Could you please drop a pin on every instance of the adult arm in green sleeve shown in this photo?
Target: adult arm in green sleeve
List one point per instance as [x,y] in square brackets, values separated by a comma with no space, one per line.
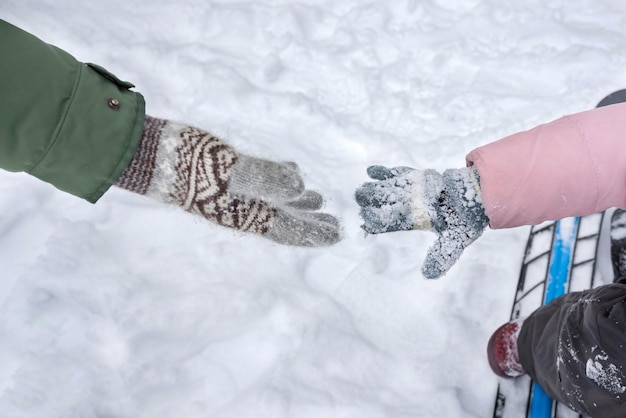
[68,123]
[80,128]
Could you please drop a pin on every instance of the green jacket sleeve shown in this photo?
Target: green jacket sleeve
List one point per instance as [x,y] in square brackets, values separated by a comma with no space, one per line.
[68,123]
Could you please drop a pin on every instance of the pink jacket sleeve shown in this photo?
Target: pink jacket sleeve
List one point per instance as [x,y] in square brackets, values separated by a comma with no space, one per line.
[575,165]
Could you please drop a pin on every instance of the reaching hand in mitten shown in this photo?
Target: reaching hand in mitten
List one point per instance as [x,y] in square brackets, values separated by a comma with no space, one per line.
[191,168]
[449,205]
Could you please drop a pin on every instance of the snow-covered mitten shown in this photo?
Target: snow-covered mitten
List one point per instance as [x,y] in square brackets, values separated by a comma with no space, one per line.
[449,204]
[191,168]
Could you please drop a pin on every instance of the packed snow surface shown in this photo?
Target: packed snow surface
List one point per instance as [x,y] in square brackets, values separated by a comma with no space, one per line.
[128,308]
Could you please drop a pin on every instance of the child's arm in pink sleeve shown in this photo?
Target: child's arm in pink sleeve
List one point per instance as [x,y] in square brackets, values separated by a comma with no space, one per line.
[575,165]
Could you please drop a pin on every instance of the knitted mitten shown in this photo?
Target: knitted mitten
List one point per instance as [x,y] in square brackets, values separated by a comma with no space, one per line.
[449,205]
[191,168]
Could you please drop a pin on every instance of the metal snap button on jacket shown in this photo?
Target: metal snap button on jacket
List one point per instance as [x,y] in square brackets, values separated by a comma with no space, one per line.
[113,103]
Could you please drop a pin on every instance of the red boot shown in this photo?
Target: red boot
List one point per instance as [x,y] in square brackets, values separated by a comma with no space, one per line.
[502,350]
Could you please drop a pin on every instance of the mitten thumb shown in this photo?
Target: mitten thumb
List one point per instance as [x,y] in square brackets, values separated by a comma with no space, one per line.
[441,256]
[462,211]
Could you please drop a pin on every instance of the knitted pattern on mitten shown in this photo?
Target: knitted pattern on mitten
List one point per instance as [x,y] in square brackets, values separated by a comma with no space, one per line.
[199,172]
[191,168]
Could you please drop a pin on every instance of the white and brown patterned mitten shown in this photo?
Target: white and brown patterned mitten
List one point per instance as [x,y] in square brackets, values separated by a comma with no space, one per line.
[191,168]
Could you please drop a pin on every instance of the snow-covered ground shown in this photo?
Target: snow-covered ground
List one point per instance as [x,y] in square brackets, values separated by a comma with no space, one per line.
[128,308]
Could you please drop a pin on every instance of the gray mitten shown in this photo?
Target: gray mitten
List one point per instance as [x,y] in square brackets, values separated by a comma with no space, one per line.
[190,168]
[448,204]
